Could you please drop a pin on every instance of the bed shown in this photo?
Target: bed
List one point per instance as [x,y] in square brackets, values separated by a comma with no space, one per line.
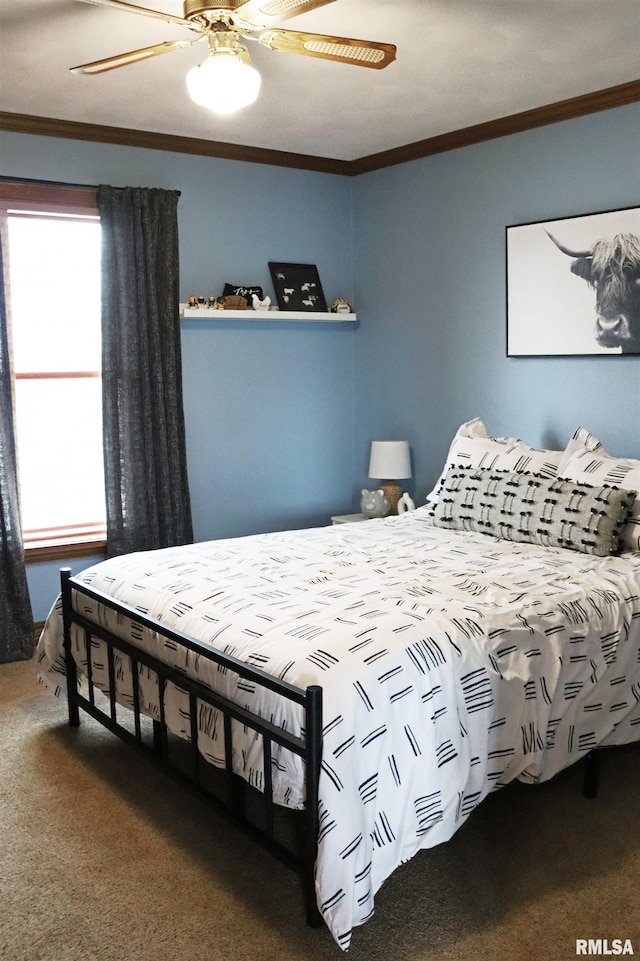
[380,678]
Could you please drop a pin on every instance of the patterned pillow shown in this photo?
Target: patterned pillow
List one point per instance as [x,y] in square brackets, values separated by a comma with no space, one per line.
[581,438]
[597,467]
[534,509]
[472,448]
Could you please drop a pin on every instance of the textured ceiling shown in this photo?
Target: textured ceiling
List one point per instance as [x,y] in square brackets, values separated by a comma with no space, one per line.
[459,63]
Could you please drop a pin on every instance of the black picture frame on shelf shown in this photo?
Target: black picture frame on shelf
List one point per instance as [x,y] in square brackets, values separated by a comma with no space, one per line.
[297,287]
[560,279]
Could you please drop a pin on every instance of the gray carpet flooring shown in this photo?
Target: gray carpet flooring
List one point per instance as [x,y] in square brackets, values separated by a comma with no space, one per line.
[104,858]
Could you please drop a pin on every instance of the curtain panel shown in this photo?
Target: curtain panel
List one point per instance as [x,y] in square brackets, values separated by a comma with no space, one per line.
[16,619]
[147,490]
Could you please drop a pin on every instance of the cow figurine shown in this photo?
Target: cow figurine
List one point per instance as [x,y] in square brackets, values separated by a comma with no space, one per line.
[374,504]
[612,267]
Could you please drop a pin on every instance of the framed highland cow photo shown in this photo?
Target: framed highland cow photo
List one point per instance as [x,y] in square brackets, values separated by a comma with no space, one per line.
[573,286]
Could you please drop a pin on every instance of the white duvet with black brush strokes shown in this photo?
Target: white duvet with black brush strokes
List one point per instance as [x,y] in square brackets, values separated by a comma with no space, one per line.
[451,663]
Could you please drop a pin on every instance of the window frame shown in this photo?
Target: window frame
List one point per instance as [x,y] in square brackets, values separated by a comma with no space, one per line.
[65,200]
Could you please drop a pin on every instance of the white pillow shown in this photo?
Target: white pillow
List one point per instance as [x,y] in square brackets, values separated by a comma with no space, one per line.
[581,438]
[471,428]
[594,466]
[471,447]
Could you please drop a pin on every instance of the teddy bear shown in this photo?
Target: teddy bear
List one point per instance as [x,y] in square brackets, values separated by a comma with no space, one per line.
[374,504]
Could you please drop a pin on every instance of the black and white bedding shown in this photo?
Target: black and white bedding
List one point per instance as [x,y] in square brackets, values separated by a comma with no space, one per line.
[451,664]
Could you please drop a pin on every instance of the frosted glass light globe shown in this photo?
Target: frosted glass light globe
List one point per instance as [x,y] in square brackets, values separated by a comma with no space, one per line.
[223,83]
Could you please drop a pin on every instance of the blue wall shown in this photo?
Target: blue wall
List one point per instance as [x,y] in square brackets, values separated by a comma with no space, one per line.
[269,407]
[280,417]
[431,293]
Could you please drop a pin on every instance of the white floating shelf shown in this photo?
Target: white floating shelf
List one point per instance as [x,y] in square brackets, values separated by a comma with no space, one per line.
[267,315]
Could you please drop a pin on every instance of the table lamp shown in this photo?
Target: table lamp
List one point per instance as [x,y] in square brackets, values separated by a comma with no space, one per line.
[390,461]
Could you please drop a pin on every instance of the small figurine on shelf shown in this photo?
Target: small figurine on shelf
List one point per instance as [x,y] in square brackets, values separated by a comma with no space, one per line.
[260,304]
[235,302]
[340,306]
[231,303]
[194,301]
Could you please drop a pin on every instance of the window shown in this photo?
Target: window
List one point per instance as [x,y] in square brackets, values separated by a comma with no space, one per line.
[51,240]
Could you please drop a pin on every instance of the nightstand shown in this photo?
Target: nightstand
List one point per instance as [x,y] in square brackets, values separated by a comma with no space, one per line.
[347,518]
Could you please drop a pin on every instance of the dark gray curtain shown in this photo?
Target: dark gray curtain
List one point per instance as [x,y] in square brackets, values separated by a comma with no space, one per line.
[16,620]
[144,437]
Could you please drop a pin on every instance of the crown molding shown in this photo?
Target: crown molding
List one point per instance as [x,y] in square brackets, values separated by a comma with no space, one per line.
[607,99]
[73,130]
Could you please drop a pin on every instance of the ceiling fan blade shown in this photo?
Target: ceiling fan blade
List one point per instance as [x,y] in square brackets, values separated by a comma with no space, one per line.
[121,60]
[360,53]
[266,13]
[145,11]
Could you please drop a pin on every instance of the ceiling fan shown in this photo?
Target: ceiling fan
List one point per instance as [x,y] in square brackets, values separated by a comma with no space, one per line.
[226,80]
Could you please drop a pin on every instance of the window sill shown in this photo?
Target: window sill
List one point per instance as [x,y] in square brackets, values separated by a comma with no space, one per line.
[41,551]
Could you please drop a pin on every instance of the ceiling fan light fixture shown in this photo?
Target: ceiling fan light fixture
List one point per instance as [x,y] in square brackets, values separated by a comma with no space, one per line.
[225,82]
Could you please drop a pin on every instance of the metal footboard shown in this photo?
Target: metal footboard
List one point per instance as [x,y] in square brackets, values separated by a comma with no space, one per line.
[308,746]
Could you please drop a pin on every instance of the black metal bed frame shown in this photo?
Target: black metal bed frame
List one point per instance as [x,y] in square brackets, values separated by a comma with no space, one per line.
[308,746]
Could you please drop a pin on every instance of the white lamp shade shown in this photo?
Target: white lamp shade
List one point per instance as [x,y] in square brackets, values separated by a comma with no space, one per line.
[223,83]
[390,459]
